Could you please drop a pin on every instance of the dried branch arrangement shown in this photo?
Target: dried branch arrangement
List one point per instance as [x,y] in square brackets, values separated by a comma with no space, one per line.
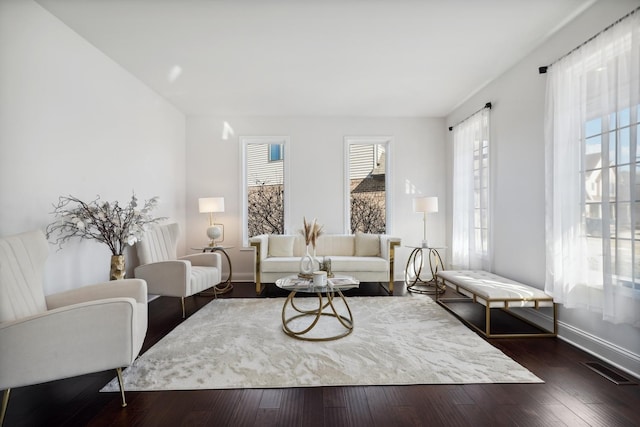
[311,232]
[107,222]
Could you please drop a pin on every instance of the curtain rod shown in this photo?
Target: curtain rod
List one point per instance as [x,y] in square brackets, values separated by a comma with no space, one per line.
[543,69]
[487,105]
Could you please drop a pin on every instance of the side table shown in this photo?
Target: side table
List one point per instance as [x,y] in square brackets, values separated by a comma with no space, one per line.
[415,263]
[222,287]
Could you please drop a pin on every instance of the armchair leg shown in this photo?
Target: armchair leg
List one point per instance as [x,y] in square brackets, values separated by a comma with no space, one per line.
[5,403]
[182,301]
[121,383]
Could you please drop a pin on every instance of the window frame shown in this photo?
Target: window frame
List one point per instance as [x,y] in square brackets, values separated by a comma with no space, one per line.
[245,141]
[387,142]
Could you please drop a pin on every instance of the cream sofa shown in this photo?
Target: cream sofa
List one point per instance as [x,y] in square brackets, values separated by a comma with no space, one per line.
[367,257]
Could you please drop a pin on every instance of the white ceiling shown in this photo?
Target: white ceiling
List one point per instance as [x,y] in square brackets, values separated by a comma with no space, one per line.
[316,58]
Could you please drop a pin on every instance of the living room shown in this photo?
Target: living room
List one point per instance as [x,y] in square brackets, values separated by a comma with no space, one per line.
[74,121]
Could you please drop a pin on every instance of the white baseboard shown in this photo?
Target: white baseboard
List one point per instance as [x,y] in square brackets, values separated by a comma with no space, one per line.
[604,350]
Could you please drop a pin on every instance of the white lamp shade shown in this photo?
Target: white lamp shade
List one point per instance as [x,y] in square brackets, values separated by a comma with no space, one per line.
[425,204]
[211,204]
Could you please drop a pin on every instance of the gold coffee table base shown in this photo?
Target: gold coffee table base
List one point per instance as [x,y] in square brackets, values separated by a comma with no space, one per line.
[316,314]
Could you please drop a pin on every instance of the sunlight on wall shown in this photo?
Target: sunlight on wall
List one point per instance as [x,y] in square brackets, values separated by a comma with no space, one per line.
[174,73]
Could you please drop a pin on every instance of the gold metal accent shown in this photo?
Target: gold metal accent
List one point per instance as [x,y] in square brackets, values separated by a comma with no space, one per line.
[223,287]
[490,303]
[256,244]
[316,314]
[392,260]
[182,303]
[5,404]
[413,270]
[121,383]
[117,271]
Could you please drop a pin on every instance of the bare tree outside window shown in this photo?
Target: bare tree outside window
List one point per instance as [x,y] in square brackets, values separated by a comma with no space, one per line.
[266,209]
[367,214]
[265,187]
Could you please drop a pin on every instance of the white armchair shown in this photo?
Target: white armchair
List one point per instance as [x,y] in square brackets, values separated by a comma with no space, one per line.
[169,275]
[84,330]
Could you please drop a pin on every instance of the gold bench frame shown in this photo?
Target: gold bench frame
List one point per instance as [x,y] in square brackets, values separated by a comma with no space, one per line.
[505,302]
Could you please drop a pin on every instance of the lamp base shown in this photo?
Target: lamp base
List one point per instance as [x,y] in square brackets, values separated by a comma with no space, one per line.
[216,234]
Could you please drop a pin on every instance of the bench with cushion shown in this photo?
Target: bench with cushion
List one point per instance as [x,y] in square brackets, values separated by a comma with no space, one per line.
[366,257]
[496,292]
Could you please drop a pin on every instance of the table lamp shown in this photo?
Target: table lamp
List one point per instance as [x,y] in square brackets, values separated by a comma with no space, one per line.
[425,205]
[215,232]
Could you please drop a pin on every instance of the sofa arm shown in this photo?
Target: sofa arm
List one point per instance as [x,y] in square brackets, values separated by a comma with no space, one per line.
[261,243]
[68,341]
[128,288]
[207,259]
[387,245]
[169,278]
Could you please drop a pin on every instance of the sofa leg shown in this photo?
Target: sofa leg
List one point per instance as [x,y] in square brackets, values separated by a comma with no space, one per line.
[121,384]
[5,403]
[182,302]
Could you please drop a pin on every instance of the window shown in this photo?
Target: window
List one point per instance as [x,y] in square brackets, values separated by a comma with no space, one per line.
[471,203]
[592,168]
[264,173]
[481,188]
[610,178]
[367,183]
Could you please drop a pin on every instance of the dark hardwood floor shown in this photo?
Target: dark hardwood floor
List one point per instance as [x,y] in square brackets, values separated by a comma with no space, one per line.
[572,394]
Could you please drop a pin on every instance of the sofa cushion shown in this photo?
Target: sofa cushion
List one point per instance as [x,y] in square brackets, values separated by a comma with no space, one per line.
[367,244]
[281,265]
[335,244]
[281,245]
[346,264]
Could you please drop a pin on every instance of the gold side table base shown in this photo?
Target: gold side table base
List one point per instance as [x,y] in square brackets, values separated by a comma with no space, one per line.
[223,287]
[414,267]
[315,314]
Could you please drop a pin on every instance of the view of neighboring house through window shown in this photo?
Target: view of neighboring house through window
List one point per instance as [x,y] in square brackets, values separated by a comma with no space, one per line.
[593,174]
[612,208]
[264,185]
[367,172]
[276,152]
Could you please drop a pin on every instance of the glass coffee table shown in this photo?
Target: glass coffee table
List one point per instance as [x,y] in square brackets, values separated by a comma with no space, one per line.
[305,316]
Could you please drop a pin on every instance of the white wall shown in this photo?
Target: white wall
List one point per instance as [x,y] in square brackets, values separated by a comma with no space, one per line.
[316,155]
[74,122]
[517,144]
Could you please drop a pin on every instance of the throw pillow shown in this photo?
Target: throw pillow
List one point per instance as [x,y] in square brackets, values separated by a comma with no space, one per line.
[281,245]
[367,244]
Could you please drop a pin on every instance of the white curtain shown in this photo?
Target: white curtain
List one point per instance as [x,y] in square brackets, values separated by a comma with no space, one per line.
[593,175]
[470,247]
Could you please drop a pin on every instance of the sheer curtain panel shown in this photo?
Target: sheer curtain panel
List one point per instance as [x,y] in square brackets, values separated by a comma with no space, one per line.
[593,175]
[470,248]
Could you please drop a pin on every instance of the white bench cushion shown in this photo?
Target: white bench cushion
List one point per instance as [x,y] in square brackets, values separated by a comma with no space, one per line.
[496,290]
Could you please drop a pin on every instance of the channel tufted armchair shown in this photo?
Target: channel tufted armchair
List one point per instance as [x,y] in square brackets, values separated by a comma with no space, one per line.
[76,332]
[169,275]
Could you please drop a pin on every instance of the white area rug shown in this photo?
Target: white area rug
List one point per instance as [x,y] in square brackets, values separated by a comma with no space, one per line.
[239,343]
